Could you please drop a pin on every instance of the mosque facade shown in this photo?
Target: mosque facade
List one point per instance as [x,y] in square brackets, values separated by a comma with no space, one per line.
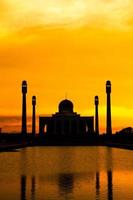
[66,122]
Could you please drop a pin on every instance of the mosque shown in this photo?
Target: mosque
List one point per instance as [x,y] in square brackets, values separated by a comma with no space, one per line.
[66,122]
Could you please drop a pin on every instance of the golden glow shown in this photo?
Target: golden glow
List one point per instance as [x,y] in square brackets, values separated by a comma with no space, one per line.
[68,47]
[106,13]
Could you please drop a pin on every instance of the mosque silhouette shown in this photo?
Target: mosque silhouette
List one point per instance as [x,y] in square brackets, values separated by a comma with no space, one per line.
[66,123]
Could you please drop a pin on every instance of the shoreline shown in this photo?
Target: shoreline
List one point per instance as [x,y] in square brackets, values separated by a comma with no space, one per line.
[120,146]
[11,147]
[15,147]
[17,141]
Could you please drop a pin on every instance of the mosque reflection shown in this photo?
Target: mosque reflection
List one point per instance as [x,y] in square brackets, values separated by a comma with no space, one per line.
[66,184]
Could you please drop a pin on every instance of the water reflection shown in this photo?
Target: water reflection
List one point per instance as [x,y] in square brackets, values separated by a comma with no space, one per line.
[66,173]
[109,165]
[110,185]
[33,188]
[23,187]
[66,185]
[97,185]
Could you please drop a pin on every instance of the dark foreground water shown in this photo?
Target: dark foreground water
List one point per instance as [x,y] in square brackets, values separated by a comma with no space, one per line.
[66,173]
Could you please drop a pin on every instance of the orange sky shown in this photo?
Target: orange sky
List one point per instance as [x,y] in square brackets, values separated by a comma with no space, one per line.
[67,46]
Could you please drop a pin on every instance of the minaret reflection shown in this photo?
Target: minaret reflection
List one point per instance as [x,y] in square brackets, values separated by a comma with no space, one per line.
[110,185]
[23,187]
[33,184]
[109,177]
[97,185]
[109,166]
[66,184]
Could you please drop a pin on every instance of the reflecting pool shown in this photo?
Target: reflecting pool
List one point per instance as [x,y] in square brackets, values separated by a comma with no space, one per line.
[72,173]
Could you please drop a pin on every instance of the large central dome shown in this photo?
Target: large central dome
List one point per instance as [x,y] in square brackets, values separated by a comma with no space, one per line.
[66,106]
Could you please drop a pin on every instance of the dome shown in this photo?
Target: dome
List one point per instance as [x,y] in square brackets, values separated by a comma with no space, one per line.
[66,106]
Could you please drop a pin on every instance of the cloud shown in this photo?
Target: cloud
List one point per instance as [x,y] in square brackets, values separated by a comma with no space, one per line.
[16,15]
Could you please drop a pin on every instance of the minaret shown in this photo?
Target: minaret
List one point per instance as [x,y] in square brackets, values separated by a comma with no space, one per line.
[96,115]
[109,126]
[33,116]
[24,120]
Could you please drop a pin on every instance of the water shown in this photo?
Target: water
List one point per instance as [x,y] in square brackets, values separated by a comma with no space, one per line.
[66,173]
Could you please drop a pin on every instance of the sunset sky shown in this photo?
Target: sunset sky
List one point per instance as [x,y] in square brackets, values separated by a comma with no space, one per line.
[67,48]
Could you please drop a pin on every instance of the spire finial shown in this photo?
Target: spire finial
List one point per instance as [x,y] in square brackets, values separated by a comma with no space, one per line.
[66,95]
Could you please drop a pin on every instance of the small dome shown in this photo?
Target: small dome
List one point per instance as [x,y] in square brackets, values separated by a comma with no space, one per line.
[66,106]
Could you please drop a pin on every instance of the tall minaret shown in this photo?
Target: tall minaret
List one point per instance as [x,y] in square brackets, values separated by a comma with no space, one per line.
[24,120]
[33,116]
[109,126]
[96,115]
